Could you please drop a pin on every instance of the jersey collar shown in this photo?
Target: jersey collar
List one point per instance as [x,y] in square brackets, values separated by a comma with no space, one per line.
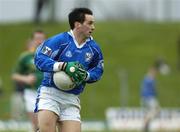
[76,43]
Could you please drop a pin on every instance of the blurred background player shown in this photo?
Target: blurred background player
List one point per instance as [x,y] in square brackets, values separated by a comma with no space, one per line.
[27,78]
[149,97]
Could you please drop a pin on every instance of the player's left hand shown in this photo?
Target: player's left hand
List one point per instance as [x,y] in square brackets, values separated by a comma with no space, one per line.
[82,73]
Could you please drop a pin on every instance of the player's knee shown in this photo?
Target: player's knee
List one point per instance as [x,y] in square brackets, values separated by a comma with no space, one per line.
[46,126]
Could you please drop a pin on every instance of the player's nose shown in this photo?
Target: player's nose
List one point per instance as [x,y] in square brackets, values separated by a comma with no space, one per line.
[93,27]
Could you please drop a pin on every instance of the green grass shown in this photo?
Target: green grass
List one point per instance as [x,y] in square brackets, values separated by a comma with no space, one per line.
[132,46]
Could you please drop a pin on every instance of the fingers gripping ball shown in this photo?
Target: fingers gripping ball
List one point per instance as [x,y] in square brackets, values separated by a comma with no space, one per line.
[82,72]
[63,81]
[71,68]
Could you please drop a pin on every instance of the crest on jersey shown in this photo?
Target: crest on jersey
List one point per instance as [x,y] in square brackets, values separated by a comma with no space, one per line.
[88,56]
[68,54]
[47,51]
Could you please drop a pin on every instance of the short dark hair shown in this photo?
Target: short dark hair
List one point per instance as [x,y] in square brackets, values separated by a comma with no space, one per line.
[37,31]
[78,15]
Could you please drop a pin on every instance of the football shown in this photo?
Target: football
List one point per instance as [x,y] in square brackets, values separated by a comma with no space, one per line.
[63,81]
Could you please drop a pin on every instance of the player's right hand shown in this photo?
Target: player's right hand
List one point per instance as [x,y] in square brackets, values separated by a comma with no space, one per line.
[30,79]
[71,68]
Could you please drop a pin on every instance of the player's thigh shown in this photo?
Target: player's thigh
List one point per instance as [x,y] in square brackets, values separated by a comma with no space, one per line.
[47,121]
[69,126]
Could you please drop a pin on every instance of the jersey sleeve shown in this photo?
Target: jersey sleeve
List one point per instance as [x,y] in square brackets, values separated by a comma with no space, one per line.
[46,53]
[97,66]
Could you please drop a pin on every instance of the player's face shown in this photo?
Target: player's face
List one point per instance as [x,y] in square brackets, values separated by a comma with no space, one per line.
[39,38]
[87,26]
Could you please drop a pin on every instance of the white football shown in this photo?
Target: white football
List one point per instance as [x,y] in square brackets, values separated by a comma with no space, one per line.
[63,81]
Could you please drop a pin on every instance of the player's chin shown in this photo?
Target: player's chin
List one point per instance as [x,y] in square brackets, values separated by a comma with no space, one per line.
[89,34]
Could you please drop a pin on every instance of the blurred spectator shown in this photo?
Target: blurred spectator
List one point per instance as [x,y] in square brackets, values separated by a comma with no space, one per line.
[27,78]
[39,7]
[162,66]
[149,97]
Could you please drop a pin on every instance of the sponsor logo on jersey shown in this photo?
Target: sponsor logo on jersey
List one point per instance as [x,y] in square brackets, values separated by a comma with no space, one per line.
[47,51]
[68,54]
[88,56]
[101,64]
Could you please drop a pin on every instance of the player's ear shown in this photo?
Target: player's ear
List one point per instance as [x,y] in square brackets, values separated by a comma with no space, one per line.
[77,24]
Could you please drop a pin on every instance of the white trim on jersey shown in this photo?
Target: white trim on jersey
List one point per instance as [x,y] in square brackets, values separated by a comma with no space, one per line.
[76,43]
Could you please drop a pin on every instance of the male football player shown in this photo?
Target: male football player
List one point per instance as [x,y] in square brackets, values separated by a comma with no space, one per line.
[75,48]
[27,77]
[149,97]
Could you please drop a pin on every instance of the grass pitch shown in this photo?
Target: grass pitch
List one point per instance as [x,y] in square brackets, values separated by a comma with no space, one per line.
[132,46]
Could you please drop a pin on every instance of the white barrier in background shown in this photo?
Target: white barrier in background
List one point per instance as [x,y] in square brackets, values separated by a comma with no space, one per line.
[132,119]
[12,125]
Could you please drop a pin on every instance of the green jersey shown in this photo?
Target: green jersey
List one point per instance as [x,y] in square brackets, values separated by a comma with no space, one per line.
[25,65]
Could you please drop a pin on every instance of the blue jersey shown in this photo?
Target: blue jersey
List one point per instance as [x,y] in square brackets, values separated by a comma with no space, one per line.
[64,48]
[148,87]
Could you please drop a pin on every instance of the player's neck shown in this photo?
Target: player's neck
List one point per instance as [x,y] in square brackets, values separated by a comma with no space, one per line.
[79,38]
